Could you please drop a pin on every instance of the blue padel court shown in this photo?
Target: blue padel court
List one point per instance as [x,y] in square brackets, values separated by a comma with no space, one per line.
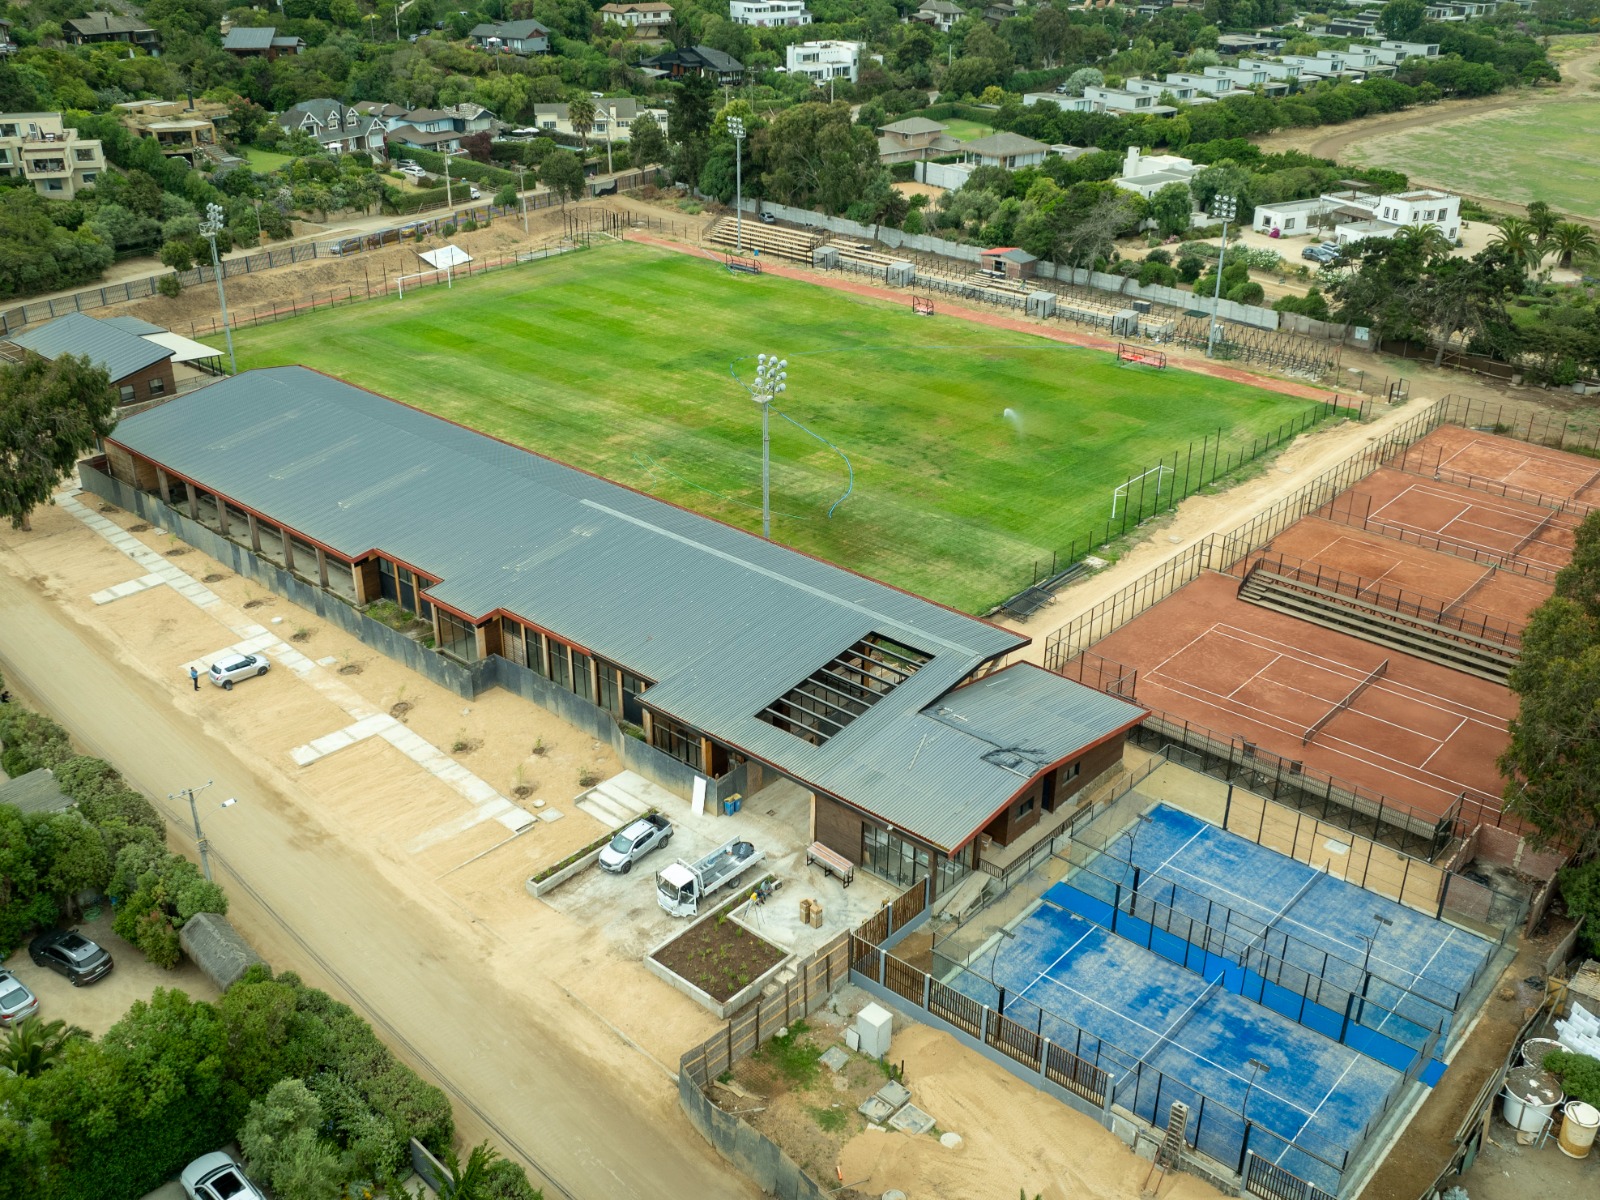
[1165,1034]
[1285,934]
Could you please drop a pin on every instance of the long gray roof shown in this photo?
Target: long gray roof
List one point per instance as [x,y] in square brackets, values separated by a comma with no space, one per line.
[724,621]
[120,352]
[246,37]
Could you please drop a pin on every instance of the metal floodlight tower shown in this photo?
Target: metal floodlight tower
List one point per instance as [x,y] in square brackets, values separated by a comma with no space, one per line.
[1226,207]
[736,129]
[209,228]
[771,374]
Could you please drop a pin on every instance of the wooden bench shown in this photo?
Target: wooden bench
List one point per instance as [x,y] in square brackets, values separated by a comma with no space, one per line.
[832,862]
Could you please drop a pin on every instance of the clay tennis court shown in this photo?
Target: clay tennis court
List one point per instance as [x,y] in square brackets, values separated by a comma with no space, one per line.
[1422,733]
[1458,584]
[1458,520]
[1502,460]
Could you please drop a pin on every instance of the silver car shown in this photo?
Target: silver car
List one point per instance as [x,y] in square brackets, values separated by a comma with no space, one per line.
[244,666]
[17,1003]
[216,1176]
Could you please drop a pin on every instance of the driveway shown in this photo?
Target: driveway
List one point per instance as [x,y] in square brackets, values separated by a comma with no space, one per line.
[468,1000]
[103,1003]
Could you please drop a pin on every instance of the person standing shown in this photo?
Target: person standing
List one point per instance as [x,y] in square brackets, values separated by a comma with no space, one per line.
[194,677]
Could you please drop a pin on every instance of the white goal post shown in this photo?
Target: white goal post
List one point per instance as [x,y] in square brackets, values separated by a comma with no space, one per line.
[1120,492]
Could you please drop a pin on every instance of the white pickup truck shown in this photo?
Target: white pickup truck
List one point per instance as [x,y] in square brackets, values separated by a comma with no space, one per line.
[633,841]
[681,887]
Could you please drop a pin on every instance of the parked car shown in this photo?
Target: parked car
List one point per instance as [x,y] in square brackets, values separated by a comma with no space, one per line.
[216,1176]
[1323,252]
[476,194]
[246,666]
[67,952]
[767,218]
[17,1003]
[634,841]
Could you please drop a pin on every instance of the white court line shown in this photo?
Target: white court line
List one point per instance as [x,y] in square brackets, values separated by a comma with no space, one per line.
[1445,741]
[1296,1138]
[1181,848]
[1267,667]
[1053,965]
[1156,667]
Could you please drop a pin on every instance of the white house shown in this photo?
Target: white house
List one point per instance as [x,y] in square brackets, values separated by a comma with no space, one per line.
[1065,103]
[613,119]
[1356,215]
[1147,174]
[1210,84]
[1272,68]
[1395,53]
[1248,77]
[822,61]
[1107,99]
[1291,218]
[768,14]
[1183,92]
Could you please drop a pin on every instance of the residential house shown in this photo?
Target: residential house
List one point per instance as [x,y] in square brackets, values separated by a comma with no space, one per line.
[1106,99]
[41,149]
[1249,43]
[184,129]
[1147,174]
[1003,10]
[824,61]
[768,14]
[1352,27]
[915,753]
[698,60]
[1183,92]
[1462,11]
[260,41]
[1359,60]
[338,128]
[648,16]
[1064,102]
[613,118]
[440,129]
[1249,77]
[1355,215]
[941,14]
[1395,53]
[1211,85]
[140,369]
[1291,218]
[1008,150]
[111,27]
[914,139]
[1285,72]
[514,37]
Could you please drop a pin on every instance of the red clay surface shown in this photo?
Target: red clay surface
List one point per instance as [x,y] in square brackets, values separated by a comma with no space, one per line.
[1456,583]
[1420,735]
[1473,524]
[1502,460]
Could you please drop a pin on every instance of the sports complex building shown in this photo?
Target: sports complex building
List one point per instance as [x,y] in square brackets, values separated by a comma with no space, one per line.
[737,659]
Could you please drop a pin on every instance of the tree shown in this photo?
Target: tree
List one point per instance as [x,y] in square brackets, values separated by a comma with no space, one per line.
[1170,208]
[1051,29]
[479,147]
[1455,296]
[1571,240]
[1542,219]
[562,173]
[1084,77]
[648,144]
[77,857]
[1095,233]
[1518,240]
[178,254]
[1399,19]
[277,1132]
[814,156]
[51,413]
[469,1181]
[580,112]
[33,1047]
[507,197]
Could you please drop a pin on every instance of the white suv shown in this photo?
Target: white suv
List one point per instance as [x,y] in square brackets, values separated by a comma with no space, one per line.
[242,667]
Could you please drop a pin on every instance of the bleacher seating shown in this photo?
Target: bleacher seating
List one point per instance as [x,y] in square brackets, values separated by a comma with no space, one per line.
[778,241]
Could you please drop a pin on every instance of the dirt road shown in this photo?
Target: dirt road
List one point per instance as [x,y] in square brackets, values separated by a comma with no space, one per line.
[537,1074]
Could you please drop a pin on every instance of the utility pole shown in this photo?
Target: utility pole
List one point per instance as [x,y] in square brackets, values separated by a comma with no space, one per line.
[736,128]
[522,195]
[449,201]
[194,811]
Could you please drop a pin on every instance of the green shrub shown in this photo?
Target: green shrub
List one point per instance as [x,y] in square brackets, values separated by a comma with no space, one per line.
[32,740]
[1248,292]
[169,287]
[1579,1074]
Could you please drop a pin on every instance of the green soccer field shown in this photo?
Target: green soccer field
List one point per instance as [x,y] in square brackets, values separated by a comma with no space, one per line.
[617,360]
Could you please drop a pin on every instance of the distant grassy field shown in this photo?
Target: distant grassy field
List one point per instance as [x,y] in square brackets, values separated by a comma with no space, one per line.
[265,160]
[966,131]
[617,360]
[1538,152]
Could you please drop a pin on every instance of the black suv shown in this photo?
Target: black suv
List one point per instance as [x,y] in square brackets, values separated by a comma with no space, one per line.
[67,952]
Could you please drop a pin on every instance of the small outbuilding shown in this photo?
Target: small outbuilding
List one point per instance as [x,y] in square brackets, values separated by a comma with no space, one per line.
[1010,261]
[139,368]
[35,792]
[217,949]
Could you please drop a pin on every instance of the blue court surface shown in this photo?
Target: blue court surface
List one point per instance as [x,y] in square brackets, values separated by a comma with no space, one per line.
[1297,927]
[1114,1004]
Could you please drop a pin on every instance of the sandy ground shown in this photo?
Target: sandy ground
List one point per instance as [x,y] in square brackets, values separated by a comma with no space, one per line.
[103,1003]
[352,870]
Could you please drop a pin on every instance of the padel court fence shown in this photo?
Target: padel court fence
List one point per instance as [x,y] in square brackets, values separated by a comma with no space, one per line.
[1091,1073]
[1355,511]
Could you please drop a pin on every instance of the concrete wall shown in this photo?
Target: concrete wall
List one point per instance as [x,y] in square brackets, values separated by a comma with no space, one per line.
[752,1152]
[950,176]
[464,679]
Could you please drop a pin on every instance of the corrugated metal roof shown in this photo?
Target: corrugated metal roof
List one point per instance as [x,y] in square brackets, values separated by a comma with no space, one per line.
[35,792]
[249,38]
[120,352]
[724,621]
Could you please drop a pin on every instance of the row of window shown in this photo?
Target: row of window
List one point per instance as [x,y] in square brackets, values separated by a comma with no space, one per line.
[405,587]
[600,682]
[155,387]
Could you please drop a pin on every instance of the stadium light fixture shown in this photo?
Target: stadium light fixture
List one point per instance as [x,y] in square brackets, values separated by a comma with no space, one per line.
[1226,207]
[772,373]
[209,228]
[736,131]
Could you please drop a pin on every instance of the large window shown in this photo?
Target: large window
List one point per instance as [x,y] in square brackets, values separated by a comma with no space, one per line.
[683,744]
[404,587]
[892,857]
[582,679]
[457,638]
[560,664]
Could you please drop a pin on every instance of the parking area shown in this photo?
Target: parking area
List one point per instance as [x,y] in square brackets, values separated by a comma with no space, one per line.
[102,1004]
[777,819]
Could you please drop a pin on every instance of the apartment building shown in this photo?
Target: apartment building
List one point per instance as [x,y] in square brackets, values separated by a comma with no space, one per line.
[182,128]
[41,149]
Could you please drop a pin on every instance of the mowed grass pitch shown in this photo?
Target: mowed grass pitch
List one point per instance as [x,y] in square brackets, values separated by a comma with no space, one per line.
[616,360]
